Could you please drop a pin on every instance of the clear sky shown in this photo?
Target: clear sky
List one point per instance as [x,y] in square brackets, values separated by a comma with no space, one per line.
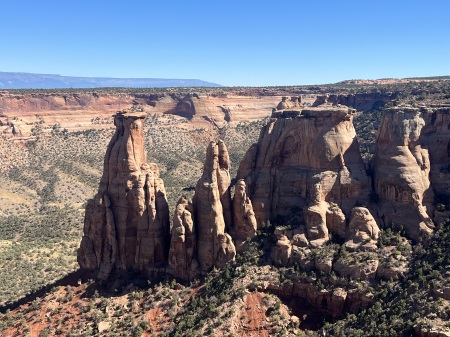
[251,43]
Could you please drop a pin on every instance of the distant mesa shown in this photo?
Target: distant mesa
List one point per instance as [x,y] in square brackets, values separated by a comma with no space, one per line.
[13,80]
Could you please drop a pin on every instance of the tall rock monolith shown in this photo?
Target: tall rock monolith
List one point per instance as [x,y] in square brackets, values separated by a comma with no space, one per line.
[126,225]
[212,207]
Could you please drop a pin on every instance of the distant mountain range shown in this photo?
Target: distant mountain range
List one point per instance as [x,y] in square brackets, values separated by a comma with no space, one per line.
[9,80]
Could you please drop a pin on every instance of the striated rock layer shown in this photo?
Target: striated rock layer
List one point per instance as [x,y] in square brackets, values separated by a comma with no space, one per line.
[126,225]
[307,163]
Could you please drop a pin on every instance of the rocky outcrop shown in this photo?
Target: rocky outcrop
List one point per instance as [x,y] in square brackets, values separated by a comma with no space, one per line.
[335,302]
[363,231]
[289,102]
[212,207]
[182,255]
[186,107]
[309,166]
[126,225]
[401,168]
[435,136]
[430,328]
[360,101]
[245,224]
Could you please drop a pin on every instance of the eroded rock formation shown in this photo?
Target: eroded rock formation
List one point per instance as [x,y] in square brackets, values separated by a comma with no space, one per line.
[182,255]
[212,207]
[186,107]
[360,101]
[435,136]
[363,231]
[307,163]
[127,223]
[245,224]
[289,102]
[401,168]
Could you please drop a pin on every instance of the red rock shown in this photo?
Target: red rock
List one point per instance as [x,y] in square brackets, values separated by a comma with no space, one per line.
[127,224]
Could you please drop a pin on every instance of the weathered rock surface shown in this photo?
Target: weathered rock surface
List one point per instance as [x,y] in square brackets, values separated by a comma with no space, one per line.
[335,301]
[401,168]
[182,254]
[289,102]
[435,136]
[309,166]
[363,231]
[360,101]
[431,329]
[81,110]
[212,207]
[186,107]
[245,225]
[127,224]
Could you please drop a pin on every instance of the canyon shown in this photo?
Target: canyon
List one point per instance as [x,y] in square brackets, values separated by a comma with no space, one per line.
[23,113]
[305,174]
[199,220]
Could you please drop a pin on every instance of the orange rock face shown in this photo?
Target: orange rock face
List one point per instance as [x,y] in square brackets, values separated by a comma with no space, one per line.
[411,166]
[401,168]
[82,110]
[307,163]
[245,224]
[182,255]
[127,223]
[215,247]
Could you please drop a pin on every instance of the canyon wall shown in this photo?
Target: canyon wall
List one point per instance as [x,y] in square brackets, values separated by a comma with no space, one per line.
[82,110]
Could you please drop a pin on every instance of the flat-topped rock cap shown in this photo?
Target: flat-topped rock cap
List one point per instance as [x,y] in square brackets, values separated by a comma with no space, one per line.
[314,112]
[128,113]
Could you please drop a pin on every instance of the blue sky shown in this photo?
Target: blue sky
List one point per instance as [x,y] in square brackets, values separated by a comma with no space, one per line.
[251,43]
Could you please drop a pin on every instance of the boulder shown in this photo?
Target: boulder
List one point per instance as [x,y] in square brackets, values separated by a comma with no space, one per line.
[281,253]
[289,102]
[363,231]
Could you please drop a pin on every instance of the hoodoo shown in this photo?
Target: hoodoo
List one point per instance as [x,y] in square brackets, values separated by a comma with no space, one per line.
[212,207]
[182,255]
[126,225]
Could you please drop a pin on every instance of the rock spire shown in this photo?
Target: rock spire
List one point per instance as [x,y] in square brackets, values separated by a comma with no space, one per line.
[126,225]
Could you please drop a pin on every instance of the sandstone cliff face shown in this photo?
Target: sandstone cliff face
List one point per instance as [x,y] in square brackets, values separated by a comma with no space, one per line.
[309,166]
[212,207]
[401,168]
[81,110]
[359,101]
[127,224]
[186,107]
